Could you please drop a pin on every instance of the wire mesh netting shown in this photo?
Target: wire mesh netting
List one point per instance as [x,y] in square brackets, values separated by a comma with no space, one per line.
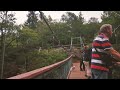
[60,72]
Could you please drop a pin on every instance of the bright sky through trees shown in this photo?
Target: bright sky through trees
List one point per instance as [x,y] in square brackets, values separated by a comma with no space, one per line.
[22,15]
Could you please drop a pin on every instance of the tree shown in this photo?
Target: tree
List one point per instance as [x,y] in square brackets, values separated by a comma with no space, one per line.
[49,19]
[93,20]
[73,22]
[80,18]
[69,17]
[113,18]
[32,20]
[6,23]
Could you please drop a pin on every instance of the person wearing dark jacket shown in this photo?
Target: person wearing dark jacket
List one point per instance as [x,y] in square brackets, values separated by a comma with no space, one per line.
[87,60]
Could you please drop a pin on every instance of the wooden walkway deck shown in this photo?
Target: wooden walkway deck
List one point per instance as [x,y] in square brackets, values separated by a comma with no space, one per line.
[76,73]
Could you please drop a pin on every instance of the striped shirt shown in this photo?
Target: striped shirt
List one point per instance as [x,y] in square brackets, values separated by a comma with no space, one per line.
[100,43]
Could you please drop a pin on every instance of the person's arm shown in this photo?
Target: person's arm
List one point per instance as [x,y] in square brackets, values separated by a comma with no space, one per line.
[114,53]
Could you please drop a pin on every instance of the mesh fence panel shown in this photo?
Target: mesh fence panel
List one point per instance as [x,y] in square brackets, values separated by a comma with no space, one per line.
[59,72]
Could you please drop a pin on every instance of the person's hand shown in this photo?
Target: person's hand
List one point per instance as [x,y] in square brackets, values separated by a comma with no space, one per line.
[117,64]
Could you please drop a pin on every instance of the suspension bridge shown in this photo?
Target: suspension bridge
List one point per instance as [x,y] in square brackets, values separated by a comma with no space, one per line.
[65,69]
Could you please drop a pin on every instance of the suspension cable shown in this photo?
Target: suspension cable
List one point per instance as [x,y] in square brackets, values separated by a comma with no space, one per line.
[115,13]
[116,29]
[42,17]
[119,24]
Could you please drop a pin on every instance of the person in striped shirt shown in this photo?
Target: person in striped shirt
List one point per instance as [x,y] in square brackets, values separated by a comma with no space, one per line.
[101,45]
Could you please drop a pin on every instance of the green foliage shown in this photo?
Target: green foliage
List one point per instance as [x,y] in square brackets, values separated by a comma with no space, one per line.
[24,41]
[45,58]
[15,60]
[28,37]
[32,20]
[113,18]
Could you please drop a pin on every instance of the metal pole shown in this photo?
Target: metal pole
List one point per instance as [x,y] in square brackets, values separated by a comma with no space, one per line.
[71,44]
[82,44]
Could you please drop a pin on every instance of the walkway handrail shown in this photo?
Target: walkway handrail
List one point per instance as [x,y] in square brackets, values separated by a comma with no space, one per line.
[37,72]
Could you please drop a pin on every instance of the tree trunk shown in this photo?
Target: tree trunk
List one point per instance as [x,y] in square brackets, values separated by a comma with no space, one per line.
[1,50]
[3,53]
[3,47]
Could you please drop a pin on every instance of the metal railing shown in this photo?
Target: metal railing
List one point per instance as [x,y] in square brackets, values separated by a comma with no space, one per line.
[58,70]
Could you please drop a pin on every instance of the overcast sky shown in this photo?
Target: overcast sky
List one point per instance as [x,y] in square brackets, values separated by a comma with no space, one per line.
[21,15]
